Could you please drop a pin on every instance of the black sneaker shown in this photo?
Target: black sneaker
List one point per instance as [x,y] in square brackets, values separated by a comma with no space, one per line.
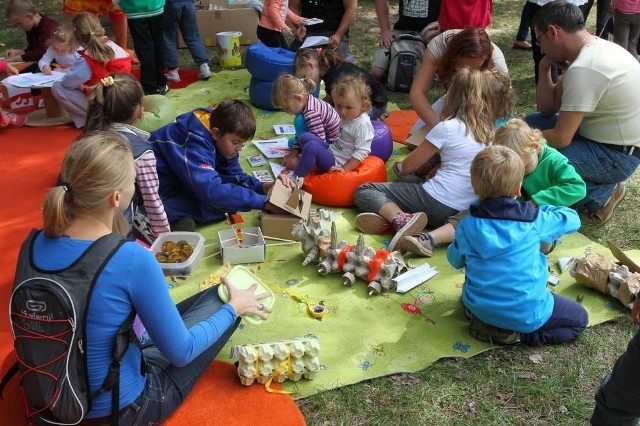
[186,224]
[488,333]
[142,228]
[164,90]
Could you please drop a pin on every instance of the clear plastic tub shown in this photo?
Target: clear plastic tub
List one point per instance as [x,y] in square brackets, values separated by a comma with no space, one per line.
[195,239]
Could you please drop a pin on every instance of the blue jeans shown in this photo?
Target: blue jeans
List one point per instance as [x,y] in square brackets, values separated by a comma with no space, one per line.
[600,166]
[568,319]
[182,15]
[167,385]
[618,399]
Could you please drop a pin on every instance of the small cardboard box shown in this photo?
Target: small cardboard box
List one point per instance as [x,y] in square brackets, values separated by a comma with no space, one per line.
[252,249]
[294,201]
[224,15]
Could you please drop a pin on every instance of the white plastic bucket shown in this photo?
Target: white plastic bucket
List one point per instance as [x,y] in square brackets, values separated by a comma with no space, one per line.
[229,44]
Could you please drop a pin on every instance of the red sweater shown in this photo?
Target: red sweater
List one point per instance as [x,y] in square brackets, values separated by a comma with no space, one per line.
[37,39]
[458,14]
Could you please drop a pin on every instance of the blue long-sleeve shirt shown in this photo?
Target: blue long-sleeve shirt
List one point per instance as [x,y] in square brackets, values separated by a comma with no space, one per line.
[498,244]
[195,180]
[131,281]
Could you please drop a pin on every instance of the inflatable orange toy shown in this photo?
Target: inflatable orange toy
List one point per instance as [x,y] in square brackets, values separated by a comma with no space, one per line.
[336,189]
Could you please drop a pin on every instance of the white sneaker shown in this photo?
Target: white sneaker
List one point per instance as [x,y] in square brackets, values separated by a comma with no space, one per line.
[173,75]
[205,72]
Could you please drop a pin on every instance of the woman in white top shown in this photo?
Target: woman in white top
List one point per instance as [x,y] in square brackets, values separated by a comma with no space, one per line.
[444,54]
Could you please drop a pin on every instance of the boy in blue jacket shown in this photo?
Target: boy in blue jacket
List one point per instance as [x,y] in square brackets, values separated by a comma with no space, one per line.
[498,244]
[198,168]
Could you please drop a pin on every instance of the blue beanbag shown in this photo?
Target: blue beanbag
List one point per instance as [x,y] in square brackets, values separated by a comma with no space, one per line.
[260,94]
[268,63]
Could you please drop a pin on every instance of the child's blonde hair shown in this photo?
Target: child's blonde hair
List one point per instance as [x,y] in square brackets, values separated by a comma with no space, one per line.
[63,34]
[92,170]
[478,98]
[287,86]
[353,83]
[114,99]
[20,8]
[517,135]
[89,32]
[496,171]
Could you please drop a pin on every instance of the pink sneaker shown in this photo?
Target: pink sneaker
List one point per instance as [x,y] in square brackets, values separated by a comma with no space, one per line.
[406,224]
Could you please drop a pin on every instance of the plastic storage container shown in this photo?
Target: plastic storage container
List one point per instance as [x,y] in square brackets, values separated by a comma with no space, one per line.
[242,278]
[195,239]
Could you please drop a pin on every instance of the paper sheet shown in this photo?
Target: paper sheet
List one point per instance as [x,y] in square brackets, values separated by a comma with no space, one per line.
[33,80]
[284,129]
[313,41]
[273,148]
[414,277]
[276,169]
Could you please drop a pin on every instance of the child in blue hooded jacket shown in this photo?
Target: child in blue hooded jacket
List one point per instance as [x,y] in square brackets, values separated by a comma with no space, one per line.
[505,291]
[198,168]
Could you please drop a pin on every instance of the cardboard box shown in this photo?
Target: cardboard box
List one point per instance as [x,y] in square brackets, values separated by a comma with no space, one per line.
[296,204]
[252,250]
[225,15]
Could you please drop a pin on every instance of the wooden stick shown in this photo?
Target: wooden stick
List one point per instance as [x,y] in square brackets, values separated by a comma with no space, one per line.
[279,239]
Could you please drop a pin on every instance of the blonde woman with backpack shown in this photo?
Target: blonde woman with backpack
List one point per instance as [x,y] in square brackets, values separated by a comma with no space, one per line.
[98,175]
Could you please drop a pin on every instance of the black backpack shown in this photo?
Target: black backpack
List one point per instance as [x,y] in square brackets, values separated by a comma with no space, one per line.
[405,56]
[48,312]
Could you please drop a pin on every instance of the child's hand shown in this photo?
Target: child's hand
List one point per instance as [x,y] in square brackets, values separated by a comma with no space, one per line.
[290,161]
[47,70]
[338,169]
[246,302]
[286,180]
[11,70]
[14,55]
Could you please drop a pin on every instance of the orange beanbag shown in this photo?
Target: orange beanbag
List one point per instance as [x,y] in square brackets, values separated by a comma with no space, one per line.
[336,189]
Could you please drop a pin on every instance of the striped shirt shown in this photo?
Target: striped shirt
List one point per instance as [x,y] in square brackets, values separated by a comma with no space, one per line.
[147,181]
[321,119]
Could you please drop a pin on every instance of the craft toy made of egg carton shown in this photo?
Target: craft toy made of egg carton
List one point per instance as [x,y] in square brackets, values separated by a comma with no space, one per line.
[277,361]
[315,235]
[377,267]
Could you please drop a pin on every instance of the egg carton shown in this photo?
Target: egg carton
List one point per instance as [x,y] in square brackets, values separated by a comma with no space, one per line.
[277,361]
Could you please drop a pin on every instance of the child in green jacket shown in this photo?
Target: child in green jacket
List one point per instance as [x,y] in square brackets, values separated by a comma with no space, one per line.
[549,180]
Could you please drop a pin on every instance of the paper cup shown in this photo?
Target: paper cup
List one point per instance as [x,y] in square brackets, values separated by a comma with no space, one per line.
[229,44]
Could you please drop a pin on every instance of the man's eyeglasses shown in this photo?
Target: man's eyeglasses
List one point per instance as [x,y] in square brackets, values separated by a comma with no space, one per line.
[540,36]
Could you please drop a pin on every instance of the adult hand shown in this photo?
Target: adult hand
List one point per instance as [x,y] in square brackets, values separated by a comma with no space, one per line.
[386,38]
[301,32]
[334,41]
[246,302]
[635,311]
[47,70]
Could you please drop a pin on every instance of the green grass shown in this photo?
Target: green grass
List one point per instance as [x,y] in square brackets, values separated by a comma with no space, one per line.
[500,387]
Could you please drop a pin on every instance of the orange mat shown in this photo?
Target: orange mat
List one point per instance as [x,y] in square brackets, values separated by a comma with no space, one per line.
[30,159]
[400,122]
